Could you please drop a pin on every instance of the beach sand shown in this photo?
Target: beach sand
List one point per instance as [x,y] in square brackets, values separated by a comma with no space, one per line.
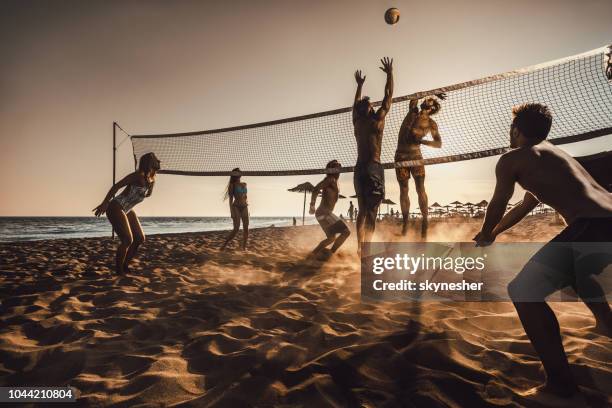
[192,326]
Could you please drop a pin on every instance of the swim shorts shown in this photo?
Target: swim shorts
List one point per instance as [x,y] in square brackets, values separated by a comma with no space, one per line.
[330,223]
[369,182]
[582,249]
[403,173]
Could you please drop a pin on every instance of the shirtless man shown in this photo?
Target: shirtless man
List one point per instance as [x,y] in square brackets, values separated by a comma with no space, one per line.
[551,176]
[369,176]
[416,125]
[331,224]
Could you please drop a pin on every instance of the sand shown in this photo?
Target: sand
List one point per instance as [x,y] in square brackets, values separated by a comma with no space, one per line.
[192,326]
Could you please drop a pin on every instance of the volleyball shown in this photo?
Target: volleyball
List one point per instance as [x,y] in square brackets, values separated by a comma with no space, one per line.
[392,16]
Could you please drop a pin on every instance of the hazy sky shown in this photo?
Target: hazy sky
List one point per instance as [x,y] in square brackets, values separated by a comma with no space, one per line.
[68,69]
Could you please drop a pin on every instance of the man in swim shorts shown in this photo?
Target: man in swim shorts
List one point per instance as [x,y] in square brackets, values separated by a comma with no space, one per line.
[369,176]
[551,176]
[416,125]
[335,229]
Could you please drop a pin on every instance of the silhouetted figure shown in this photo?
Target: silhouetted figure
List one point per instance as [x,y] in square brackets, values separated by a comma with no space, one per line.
[369,176]
[558,180]
[335,228]
[415,126]
[120,212]
[294,222]
[236,193]
[351,211]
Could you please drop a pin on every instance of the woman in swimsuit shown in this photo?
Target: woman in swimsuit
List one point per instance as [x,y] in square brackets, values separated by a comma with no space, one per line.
[120,213]
[236,192]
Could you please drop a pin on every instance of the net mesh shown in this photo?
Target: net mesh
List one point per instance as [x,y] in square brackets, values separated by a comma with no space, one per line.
[474,122]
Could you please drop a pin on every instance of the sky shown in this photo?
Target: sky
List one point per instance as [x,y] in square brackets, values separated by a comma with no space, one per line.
[68,69]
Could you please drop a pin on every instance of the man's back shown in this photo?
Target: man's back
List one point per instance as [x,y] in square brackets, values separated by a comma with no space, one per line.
[557,179]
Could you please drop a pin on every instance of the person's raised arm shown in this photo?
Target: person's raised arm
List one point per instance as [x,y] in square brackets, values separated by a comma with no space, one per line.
[315,194]
[360,80]
[516,213]
[504,188]
[413,105]
[101,209]
[386,102]
[437,140]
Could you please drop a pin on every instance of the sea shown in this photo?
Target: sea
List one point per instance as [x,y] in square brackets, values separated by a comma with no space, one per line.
[37,228]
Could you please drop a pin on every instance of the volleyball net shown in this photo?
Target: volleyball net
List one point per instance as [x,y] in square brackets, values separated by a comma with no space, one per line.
[473,122]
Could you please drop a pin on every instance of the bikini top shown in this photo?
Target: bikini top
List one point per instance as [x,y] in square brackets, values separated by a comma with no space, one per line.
[240,189]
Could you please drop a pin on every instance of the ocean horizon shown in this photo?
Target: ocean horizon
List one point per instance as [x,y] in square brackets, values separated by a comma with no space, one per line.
[36,228]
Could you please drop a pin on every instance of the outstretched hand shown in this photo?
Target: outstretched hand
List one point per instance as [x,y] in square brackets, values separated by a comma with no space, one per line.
[360,79]
[441,95]
[101,209]
[483,239]
[387,65]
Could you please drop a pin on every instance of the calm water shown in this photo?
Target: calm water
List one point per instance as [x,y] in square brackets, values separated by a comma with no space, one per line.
[36,228]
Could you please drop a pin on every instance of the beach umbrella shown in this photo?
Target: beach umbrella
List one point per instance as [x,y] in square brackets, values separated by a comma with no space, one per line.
[434,208]
[470,207]
[388,202]
[483,203]
[457,204]
[306,187]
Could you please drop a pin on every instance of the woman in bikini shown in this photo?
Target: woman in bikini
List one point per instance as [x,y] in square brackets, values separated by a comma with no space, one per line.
[120,213]
[236,193]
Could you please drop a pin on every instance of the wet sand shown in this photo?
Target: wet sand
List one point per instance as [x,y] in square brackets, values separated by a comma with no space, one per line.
[193,326]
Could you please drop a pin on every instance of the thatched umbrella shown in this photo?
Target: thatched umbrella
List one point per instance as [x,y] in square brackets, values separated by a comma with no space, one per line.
[388,202]
[434,208]
[306,187]
[470,207]
[457,204]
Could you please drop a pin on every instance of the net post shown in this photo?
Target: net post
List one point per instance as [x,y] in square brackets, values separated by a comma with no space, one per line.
[304,209]
[114,164]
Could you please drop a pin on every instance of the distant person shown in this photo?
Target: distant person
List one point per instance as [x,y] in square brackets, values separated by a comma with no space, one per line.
[335,229]
[236,193]
[120,210]
[415,126]
[351,211]
[369,176]
[294,222]
[551,176]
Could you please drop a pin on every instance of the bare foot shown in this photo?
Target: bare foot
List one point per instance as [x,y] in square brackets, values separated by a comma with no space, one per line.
[324,254]
[556,396]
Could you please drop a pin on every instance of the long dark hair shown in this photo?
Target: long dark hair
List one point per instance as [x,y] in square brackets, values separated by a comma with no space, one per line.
[148,165]
[234,178]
